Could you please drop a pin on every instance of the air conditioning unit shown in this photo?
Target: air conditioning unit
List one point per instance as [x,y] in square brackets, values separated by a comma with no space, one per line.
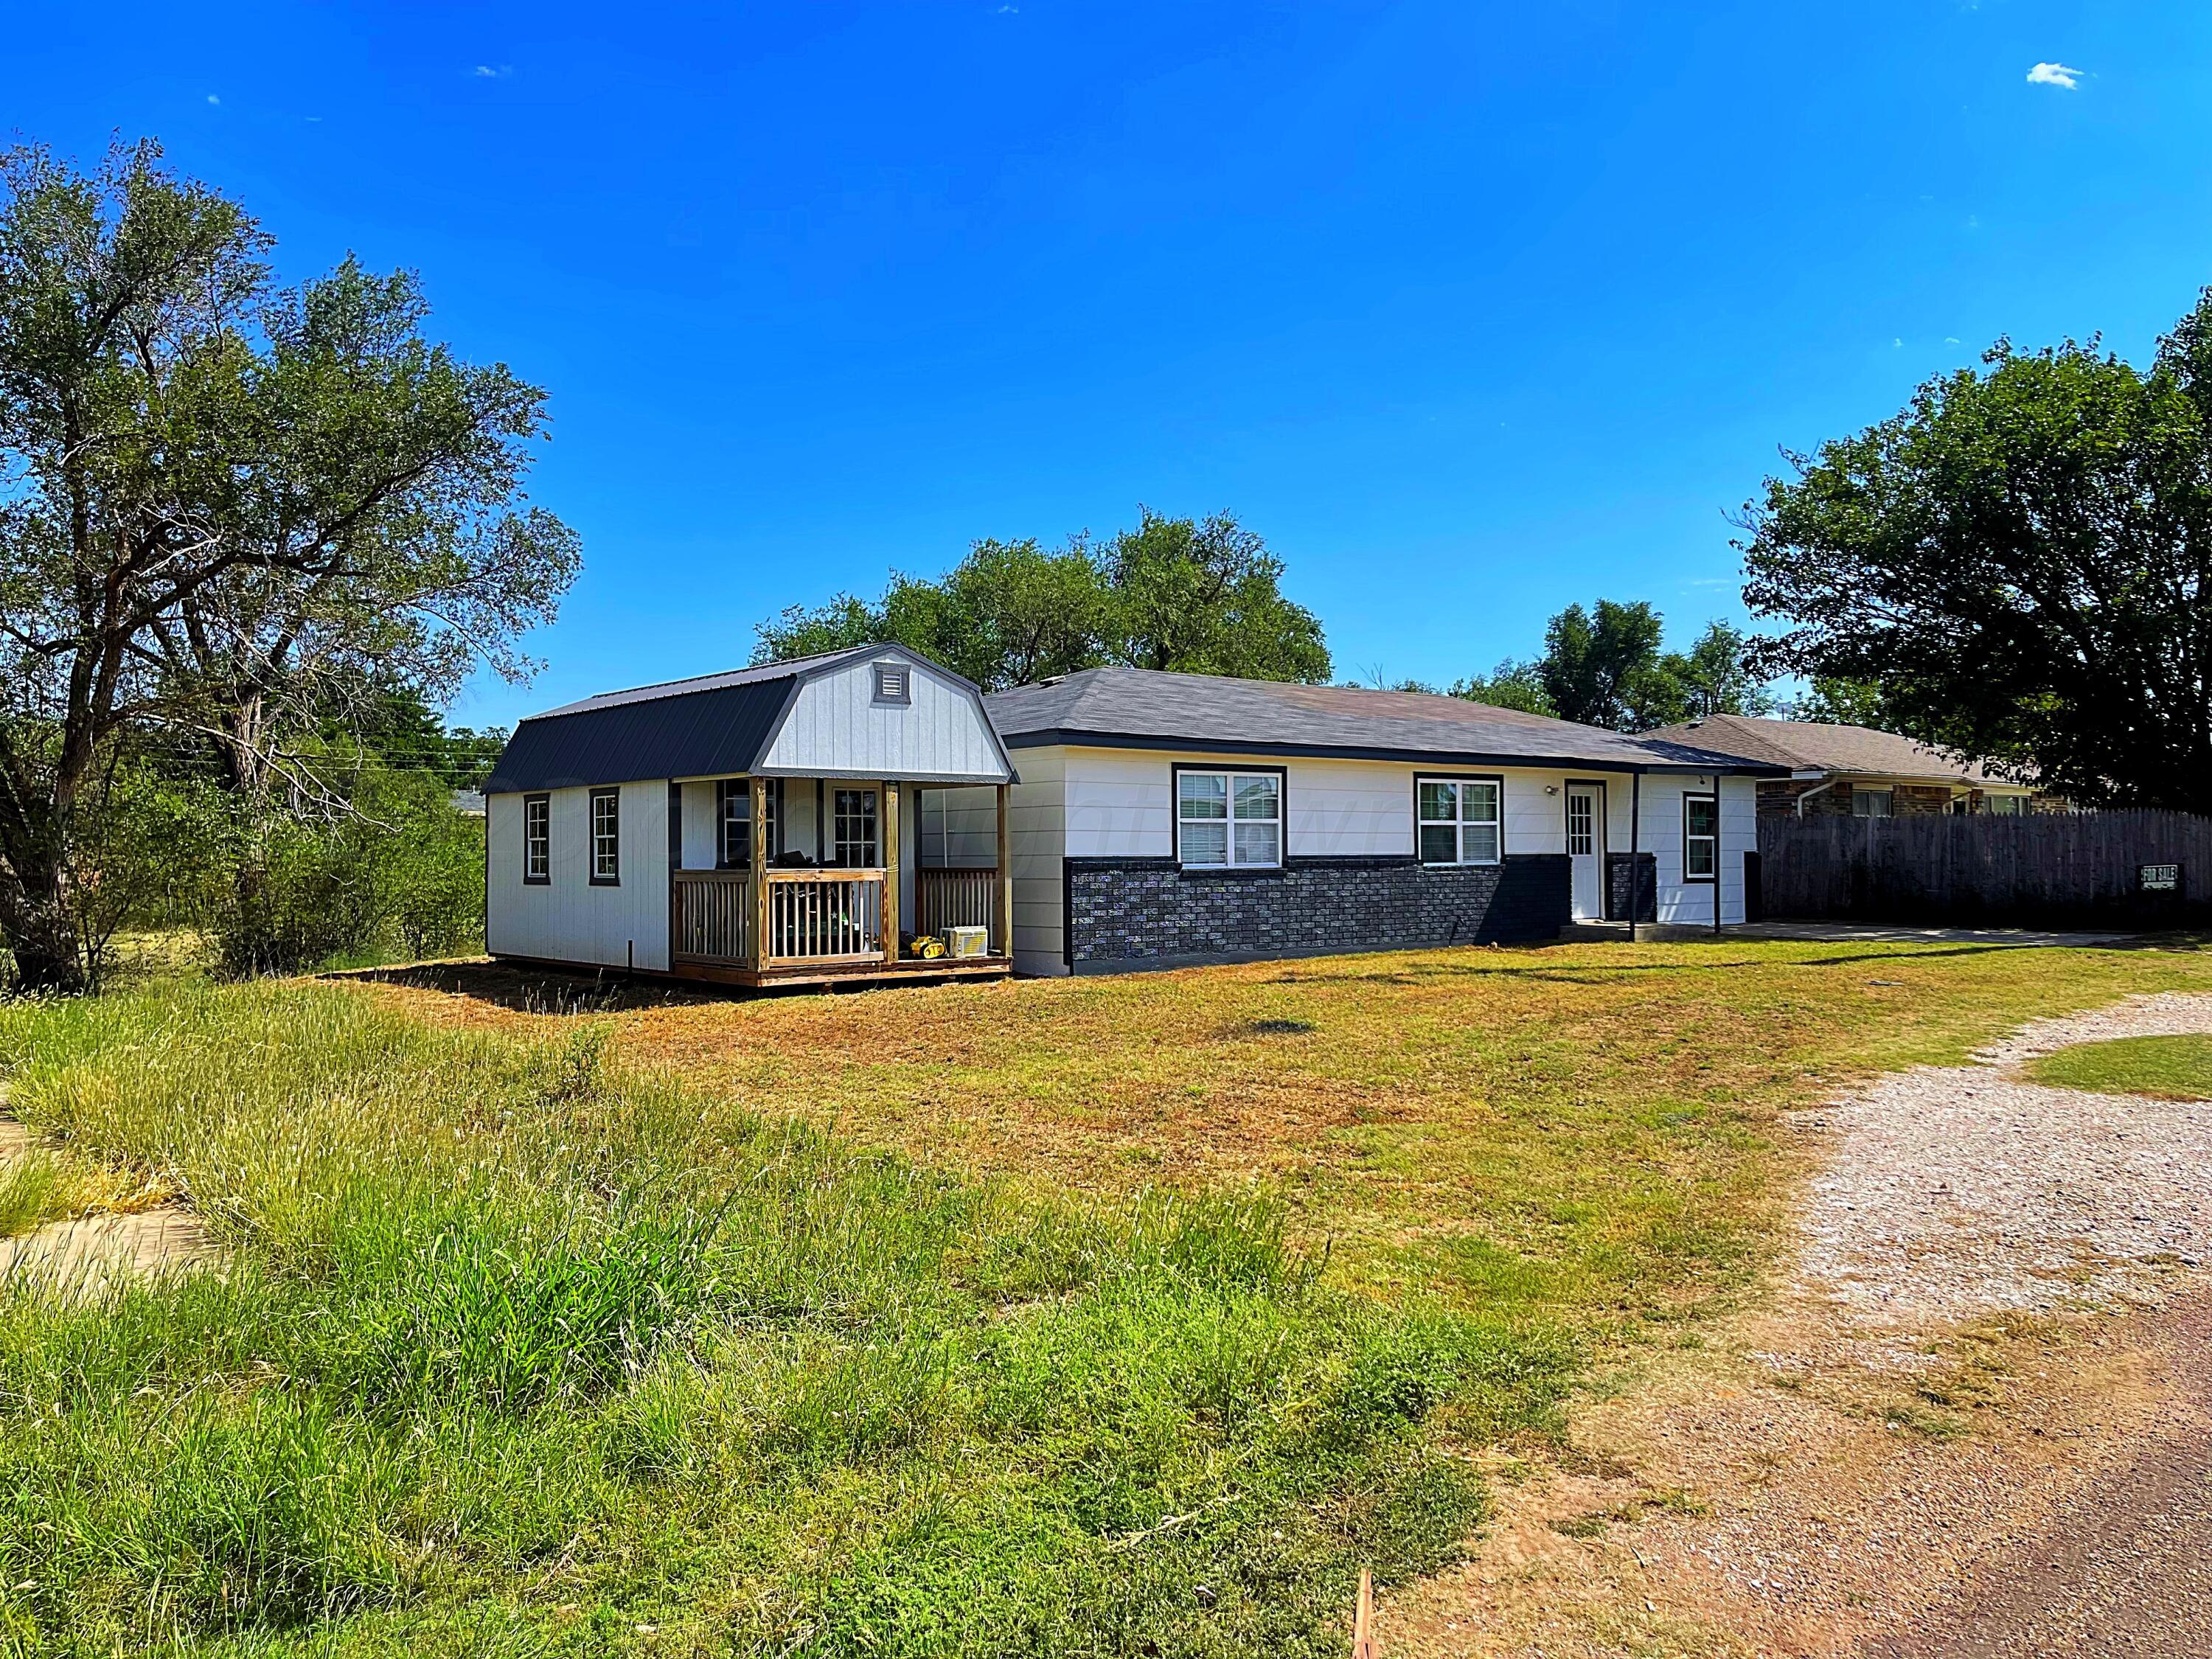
[966,941]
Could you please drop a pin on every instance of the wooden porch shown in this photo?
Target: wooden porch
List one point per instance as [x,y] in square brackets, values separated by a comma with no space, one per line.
[775,924]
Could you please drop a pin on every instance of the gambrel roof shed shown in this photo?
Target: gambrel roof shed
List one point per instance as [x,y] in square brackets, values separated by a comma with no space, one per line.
[872,711]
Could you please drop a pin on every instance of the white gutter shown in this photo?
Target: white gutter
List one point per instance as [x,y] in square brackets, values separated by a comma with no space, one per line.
[1809,793]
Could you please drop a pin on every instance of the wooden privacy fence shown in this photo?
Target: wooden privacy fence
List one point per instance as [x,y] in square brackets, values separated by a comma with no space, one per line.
[2131,869]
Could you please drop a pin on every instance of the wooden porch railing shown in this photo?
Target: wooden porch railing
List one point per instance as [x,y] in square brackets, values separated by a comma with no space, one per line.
[826,915]
[712,915]
[958,898]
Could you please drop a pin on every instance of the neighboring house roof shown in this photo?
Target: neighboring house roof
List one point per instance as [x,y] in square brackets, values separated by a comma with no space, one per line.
[1137,707]
[709,725]
[1817,746]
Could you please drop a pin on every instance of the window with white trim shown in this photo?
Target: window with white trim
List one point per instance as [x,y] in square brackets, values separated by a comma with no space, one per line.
[1229,820]
[536,839]
[1701,836]
[2005,806]
[1459,820]
[606,837]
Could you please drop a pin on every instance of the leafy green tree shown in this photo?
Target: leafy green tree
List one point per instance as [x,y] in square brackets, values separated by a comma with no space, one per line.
[1600,665]
[1604,666]
[2021,563]
[1838,702]
[1195,597]
[1715,676]
[235,512]
[802,630]
[1509,685]
[1205,596]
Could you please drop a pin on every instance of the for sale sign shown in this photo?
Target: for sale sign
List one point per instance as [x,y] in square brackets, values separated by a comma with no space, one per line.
[2159,878]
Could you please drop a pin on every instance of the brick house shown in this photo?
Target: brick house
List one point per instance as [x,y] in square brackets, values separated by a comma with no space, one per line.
[1855,771]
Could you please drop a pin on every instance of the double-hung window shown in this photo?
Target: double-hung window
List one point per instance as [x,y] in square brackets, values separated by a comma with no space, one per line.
[734,816]
[538,839]
[606,837]
[1459,819]
[1872,803]
[1229,820]
[1701,837]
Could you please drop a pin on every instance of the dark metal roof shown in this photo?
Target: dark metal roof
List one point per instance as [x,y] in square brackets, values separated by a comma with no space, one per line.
[709,725]
[754,676]
[1137,708]
[719,728]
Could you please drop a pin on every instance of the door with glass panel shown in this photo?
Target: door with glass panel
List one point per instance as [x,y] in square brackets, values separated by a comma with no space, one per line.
[1586,849]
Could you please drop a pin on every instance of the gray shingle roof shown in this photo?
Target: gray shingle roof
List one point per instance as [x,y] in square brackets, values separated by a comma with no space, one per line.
[1816,746]
[1140,707]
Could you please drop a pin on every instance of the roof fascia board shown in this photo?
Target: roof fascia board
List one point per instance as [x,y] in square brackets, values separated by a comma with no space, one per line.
[1076,738]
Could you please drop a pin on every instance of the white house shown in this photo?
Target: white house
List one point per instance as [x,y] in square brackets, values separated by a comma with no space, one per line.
[1174,818]
[813,820]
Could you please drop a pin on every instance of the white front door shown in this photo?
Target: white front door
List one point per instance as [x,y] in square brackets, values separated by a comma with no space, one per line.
[1586,849]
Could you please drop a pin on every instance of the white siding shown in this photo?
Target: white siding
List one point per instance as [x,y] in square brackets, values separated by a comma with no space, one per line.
[1121,803]
[959,829]
[702,829]
[567,919]
[835,728]
[1036,827]
[1099,802]
[1660,834]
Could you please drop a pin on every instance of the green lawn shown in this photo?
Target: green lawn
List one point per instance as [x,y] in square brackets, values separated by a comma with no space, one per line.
[2164,1067]
[1096,1318]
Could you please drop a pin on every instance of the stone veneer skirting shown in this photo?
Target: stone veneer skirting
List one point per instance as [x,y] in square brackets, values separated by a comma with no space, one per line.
[1152,913]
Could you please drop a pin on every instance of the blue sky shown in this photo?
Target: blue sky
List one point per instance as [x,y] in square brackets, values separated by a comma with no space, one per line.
[1471,310]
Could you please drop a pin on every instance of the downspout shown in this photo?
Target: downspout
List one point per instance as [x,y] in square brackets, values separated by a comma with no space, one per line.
[1635,864]
[1809,793]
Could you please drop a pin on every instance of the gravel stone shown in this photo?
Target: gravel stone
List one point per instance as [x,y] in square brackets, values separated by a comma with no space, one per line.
[1956,1192]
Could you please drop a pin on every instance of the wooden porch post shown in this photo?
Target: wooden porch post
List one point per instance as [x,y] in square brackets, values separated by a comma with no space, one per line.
[890,799]
[756,786]
[1005,879]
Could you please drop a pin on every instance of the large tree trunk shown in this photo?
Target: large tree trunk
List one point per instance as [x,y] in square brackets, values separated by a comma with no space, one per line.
[40,929]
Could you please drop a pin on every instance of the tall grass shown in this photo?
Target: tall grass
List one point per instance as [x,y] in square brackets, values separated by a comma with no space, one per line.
[516,1352]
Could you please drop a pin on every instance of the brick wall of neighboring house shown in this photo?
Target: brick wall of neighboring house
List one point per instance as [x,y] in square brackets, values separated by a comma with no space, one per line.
[1778,798]
[1915,799]
[1130,912]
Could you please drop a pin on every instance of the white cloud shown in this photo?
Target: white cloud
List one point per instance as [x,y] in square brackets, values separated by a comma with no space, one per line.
[486,72]
[1950,339]
[1897,345]
[212,99]
[2055,75]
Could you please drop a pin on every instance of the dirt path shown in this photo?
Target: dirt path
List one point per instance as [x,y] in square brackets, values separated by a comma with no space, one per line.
[1975,1415]
[2125,1568]
[85,1254]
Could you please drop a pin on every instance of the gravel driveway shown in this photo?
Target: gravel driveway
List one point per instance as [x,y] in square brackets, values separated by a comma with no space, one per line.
[1959,1191]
